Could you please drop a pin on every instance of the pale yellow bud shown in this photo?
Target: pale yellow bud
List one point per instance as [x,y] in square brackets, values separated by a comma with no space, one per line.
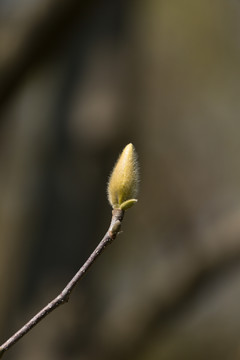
[123,182]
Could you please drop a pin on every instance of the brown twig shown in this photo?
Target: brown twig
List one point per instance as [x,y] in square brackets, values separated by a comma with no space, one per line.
[63,297]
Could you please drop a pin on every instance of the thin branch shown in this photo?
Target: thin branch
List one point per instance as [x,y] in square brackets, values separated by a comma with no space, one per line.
[63,297]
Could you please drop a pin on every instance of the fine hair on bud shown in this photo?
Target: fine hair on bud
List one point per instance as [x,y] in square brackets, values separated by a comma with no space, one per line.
[123,182]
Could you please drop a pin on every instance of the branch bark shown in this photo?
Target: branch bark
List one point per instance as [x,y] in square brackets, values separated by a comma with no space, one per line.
[63,297]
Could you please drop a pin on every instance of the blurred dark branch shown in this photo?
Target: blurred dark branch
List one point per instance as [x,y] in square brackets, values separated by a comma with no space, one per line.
[207,269]
[63,297]
[45,31]
[170,310]
[177,304]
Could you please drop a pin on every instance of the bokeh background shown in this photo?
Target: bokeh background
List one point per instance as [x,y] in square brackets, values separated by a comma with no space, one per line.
[78,81]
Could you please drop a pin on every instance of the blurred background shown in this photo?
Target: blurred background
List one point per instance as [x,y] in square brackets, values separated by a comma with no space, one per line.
[78,81]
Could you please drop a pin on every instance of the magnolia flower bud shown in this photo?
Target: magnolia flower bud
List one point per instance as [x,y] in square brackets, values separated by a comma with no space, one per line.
[123,182]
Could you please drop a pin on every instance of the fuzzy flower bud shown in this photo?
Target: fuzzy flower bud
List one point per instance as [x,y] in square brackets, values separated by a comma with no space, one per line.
[123,182]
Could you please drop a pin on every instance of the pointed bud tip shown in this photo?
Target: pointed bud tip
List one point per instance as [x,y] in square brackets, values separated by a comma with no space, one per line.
[123,183]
